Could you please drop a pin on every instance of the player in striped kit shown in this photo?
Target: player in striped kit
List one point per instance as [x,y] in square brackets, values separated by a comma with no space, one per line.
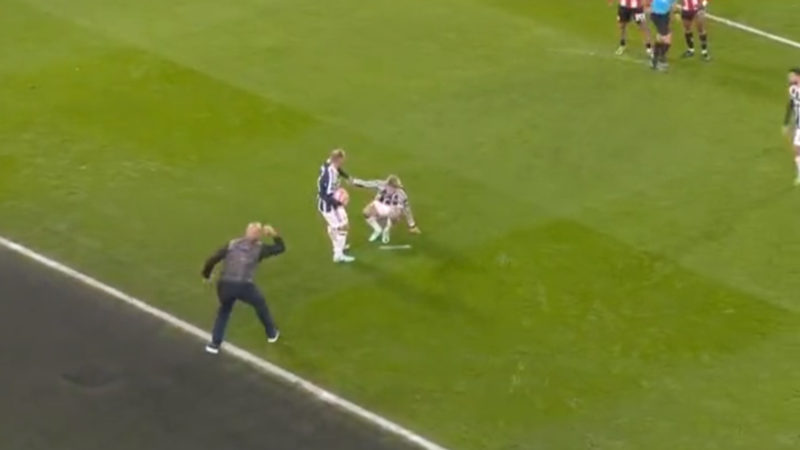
[693,13]
[632,11]
[791,121]
[390,203]
[332,209]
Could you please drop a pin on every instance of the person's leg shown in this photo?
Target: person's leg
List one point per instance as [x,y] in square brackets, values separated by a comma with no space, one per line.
[255,298]
[226,293]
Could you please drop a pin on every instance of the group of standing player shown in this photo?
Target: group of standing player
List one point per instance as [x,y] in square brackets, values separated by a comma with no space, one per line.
[692,14]
[389,205]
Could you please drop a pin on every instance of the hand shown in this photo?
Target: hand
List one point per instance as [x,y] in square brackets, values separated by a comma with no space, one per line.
[269,231]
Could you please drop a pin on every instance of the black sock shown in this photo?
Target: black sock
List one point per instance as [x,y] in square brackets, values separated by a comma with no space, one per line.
[690,40]
[622,42]
[660,51]
[648,45]
[704,42]
[664,52]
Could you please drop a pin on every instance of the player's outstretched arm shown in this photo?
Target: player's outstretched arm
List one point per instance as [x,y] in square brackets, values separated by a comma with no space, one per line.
[369,184]
[409,215]
[344,174]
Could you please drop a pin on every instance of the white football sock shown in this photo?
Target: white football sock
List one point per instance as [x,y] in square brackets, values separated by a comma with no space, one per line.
[373,222]
[332,234]
[388,226]
[340,242]
[797,163]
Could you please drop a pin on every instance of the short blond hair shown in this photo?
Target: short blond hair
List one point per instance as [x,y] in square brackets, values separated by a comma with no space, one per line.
[254,229]
[337,153]
[394,181]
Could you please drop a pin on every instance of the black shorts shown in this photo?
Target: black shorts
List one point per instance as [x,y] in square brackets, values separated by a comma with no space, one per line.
[690,15]
[628,15]
[661,22]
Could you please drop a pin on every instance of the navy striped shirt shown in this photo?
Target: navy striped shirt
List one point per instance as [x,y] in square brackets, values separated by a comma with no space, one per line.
[327,183]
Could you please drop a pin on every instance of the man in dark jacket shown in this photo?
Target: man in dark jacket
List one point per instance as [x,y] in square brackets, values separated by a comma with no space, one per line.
[240,258]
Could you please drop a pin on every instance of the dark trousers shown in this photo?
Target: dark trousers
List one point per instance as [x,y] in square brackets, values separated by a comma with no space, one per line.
[228,293]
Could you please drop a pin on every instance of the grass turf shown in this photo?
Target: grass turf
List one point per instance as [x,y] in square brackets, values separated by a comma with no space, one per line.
[608,257]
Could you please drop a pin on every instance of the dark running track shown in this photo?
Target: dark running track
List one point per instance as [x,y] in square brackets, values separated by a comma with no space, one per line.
[81,371]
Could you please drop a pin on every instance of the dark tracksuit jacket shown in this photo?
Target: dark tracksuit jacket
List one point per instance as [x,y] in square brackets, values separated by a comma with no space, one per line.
[240,259]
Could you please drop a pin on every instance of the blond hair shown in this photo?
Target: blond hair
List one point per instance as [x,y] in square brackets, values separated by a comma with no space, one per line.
[338,153]
[394,181]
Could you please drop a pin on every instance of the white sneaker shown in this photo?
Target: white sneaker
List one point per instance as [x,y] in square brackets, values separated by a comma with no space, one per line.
[343,259]
[385,238]
[375,235]
[275,338]
[212,348]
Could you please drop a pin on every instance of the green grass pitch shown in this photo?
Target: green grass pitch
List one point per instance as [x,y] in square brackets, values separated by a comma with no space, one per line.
[609,258]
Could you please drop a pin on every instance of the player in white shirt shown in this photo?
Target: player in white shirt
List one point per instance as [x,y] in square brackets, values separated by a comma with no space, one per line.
[332,209]
[389,205]
[791,121]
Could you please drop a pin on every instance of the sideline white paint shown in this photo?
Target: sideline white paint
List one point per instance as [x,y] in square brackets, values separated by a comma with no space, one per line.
[266,366]
[232,350]
[754,31]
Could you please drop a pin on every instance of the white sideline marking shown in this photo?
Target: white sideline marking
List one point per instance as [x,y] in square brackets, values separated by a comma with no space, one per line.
[395,247]
[243,355]
[731,23]
[754,31]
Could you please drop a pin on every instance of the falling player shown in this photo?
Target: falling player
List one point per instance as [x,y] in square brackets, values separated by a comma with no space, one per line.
[693,13]
[332,209]
[631,11]
[389,205]
[791,121]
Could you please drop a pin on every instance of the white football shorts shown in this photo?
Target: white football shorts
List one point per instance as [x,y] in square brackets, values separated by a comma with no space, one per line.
[336,218]
[383,210]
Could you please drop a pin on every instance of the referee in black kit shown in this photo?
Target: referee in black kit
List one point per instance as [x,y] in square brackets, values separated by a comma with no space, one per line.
[240,258]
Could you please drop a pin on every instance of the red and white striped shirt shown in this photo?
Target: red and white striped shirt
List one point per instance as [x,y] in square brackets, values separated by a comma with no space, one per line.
[633,4]
[693,5]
